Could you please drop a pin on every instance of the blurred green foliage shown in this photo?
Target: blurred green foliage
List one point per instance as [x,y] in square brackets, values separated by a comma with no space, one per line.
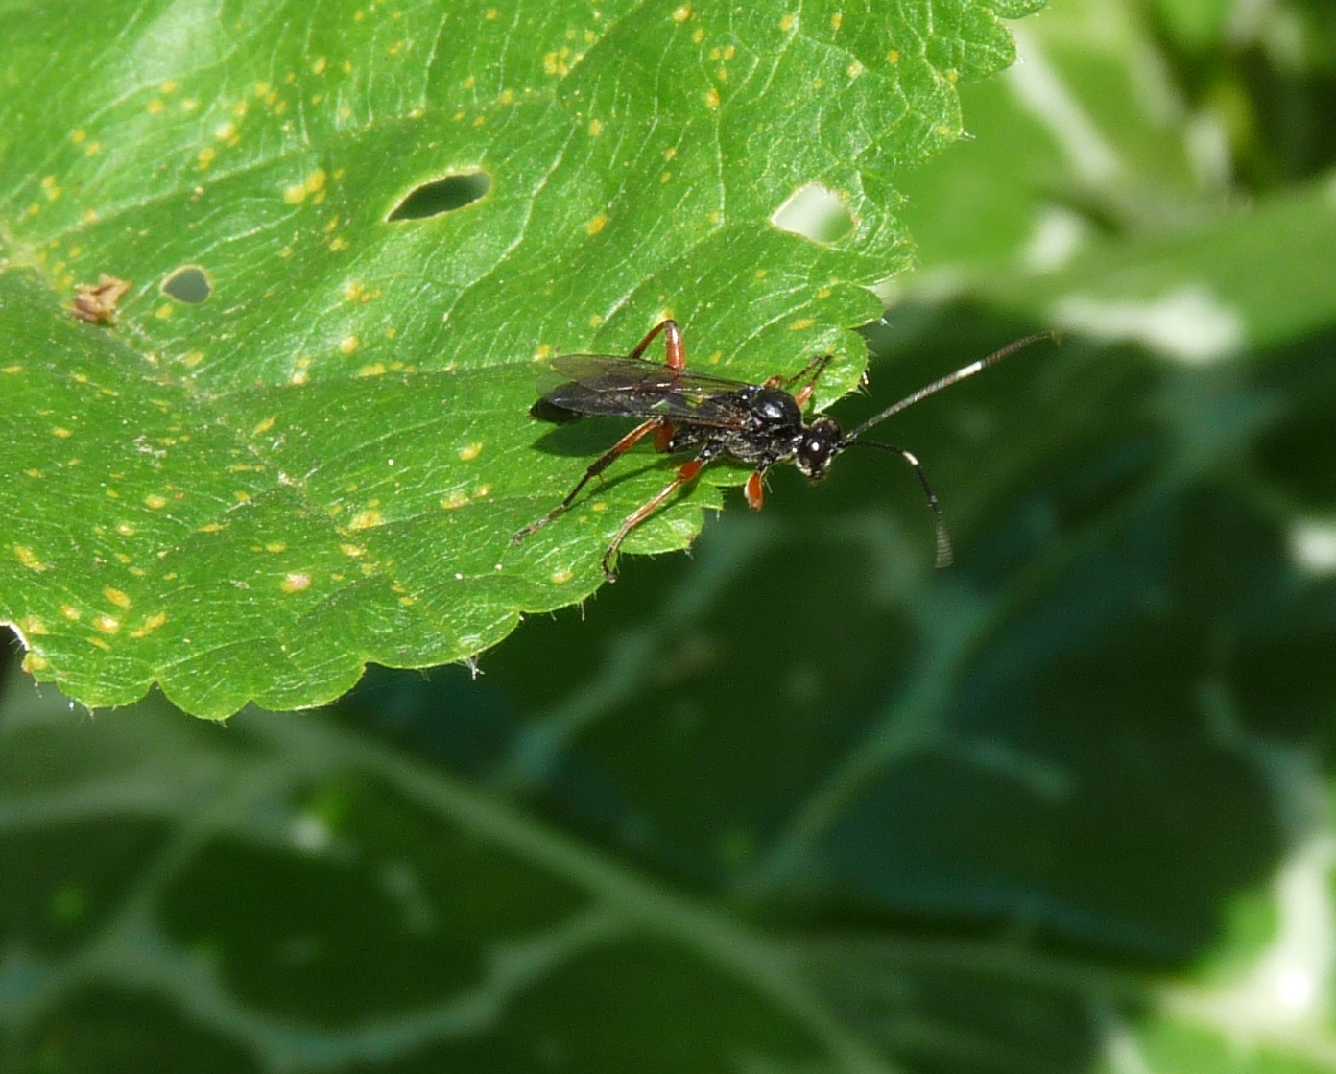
[799,803]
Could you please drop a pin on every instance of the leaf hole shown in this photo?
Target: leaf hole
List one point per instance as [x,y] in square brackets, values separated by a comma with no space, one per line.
[188,284]
[815,212]
[443,196]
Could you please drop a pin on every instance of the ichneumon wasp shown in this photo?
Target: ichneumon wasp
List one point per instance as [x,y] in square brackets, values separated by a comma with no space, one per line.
[760,425]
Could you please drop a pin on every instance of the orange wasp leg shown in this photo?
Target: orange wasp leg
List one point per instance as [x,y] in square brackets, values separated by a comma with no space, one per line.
[812,370]
[756,490]
[675,351]
[686,473]
[600,464]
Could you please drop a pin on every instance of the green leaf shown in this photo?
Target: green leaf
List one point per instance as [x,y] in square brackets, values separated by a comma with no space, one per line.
[299,443]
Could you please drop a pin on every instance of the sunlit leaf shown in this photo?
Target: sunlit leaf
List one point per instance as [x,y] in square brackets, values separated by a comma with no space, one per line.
[298,441]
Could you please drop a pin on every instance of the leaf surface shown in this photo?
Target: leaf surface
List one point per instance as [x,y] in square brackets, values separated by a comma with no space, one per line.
[300,441]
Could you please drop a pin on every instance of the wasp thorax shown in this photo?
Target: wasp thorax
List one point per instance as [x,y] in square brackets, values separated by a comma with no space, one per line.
[821,441]
[775,408]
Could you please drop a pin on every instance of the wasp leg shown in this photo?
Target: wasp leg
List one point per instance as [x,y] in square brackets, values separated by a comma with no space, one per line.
[686,473]
[600,464]
[675,351]
[812,370]
[756,490]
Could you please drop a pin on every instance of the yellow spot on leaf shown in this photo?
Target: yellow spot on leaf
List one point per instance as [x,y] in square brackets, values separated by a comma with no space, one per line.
[117,597]
[457,499]
[61,433]
[170,86]
[70,612]
[191,360]
[562,576]
[295,582]
[211,527]
[788,22]
[352,550]
[32,626]
[597,224]
[365,520]
[264,426]
[802,325]
[338,244]
[276,547]
[35,662]
[682,13]
[152,623]
[349,344]
[108,624]
[318,67]
[855,69]
[375,369]
[206,157]
[595,127]
[125,529]
[77,137]
[469,452]
[893,55]
[164,312]
[837,21]
[155,501]
[712,98]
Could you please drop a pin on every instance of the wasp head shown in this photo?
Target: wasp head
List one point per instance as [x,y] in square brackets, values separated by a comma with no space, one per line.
[820,443]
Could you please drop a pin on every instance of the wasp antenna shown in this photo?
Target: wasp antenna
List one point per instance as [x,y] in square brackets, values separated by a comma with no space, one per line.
[951,378]
[945,555]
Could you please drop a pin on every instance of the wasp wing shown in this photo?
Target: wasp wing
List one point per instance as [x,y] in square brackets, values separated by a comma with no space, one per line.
[581,385]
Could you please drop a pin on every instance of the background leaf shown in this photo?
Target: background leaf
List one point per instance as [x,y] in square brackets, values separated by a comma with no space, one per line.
[303,444]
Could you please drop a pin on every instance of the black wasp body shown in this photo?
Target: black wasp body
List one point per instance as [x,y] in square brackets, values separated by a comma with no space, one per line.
[771,431]
[759,425]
